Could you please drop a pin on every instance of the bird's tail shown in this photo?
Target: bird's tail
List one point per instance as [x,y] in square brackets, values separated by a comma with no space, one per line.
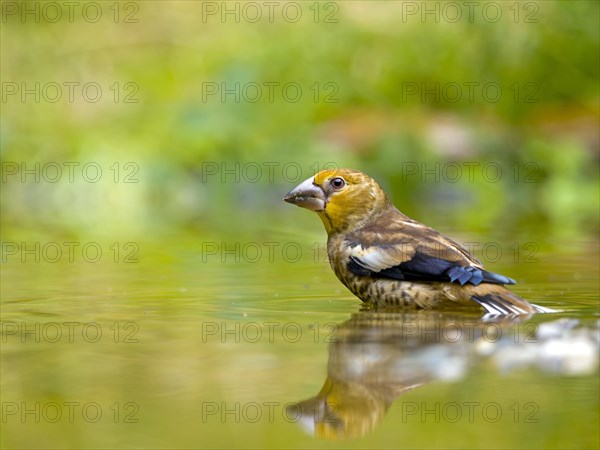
[496,299]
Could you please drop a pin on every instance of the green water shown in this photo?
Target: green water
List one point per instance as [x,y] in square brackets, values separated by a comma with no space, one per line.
[168,298]
[189,349]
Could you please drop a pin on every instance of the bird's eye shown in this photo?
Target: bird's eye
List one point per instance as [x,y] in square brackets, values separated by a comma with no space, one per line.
[338,183]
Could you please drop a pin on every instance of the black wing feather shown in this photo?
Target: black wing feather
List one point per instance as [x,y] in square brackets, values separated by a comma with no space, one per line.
[423,267]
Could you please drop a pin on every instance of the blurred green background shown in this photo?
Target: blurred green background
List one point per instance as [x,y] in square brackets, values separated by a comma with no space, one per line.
[490,111]
[169,132]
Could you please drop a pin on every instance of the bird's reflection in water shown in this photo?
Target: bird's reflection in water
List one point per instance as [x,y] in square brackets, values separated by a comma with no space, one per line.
[377,356]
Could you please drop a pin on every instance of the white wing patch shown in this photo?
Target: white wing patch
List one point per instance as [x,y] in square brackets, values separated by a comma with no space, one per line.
[375,259]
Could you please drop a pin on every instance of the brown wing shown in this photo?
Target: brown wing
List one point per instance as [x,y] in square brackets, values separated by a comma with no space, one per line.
[394,246]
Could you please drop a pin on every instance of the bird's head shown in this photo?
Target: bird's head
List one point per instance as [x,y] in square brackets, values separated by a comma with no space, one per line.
[344,199]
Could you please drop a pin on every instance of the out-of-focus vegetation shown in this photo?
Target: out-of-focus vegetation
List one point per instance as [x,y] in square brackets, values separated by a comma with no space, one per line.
[476,121]
[112,135]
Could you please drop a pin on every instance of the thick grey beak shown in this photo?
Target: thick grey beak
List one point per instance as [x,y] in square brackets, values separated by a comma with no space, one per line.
[307,195]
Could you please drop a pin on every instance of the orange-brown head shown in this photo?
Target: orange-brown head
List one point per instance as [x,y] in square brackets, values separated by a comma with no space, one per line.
[344,199]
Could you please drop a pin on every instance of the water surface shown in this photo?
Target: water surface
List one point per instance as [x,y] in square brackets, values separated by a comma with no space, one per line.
[189,349]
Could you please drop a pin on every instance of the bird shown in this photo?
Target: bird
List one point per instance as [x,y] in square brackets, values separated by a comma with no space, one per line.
[387,259]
